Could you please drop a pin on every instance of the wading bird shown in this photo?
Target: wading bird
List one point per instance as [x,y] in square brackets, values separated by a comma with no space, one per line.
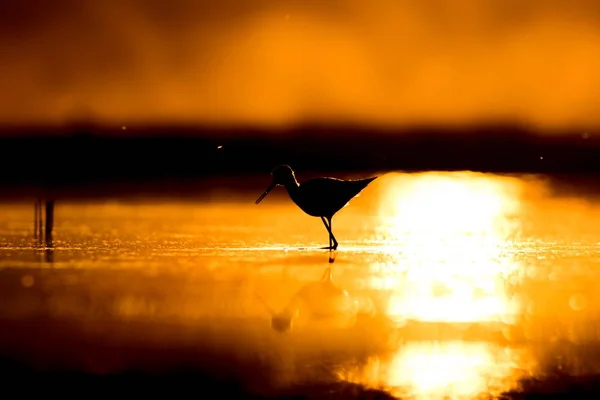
[318,197]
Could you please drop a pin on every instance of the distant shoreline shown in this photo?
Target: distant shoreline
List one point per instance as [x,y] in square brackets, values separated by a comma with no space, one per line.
[180,157]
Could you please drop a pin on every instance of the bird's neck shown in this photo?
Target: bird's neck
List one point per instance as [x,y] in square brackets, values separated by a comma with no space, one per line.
[291,186]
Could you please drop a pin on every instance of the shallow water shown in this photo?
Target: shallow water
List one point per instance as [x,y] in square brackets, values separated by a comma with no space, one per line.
[444,284]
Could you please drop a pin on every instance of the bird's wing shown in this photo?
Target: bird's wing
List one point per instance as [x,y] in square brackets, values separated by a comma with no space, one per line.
[323,186]
[337,192]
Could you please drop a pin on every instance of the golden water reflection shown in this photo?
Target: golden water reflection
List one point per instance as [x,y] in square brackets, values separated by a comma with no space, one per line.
[459,370]
[452,233]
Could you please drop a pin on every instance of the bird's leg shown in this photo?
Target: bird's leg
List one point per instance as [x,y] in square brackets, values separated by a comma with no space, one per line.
[328,230]
[335,243]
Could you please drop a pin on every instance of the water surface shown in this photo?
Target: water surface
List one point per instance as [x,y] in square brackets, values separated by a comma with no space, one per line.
[445,284]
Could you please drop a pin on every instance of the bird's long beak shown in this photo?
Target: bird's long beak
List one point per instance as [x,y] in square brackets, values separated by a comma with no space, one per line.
[266,192]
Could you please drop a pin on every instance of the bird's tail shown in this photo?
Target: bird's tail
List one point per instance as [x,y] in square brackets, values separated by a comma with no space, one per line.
[363,183]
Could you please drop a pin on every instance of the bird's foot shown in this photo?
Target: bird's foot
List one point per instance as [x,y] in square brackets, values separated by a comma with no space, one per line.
[327,248]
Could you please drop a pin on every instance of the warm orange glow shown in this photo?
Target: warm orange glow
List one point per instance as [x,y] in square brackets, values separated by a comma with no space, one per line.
[385,62]
[452,232]
[424,370]
[459,370]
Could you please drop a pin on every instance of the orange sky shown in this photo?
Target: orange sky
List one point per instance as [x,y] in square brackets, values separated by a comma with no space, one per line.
[281,61]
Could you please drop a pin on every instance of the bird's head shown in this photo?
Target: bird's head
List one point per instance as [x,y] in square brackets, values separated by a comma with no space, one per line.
[282,175]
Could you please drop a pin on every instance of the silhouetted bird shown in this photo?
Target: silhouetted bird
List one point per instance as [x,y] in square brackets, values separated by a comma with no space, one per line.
[319,197]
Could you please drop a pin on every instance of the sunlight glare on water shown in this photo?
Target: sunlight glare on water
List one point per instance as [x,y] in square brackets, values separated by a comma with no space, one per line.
[461,370]
[453,230]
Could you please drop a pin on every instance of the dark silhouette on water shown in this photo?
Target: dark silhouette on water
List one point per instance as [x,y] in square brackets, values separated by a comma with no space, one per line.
[38,219]
[318,197]
[42,229]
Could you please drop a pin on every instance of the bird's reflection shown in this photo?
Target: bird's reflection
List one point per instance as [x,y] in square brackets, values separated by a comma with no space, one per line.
[320,302]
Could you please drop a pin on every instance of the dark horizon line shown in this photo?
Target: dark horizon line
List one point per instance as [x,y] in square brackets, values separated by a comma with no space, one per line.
[75,160]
